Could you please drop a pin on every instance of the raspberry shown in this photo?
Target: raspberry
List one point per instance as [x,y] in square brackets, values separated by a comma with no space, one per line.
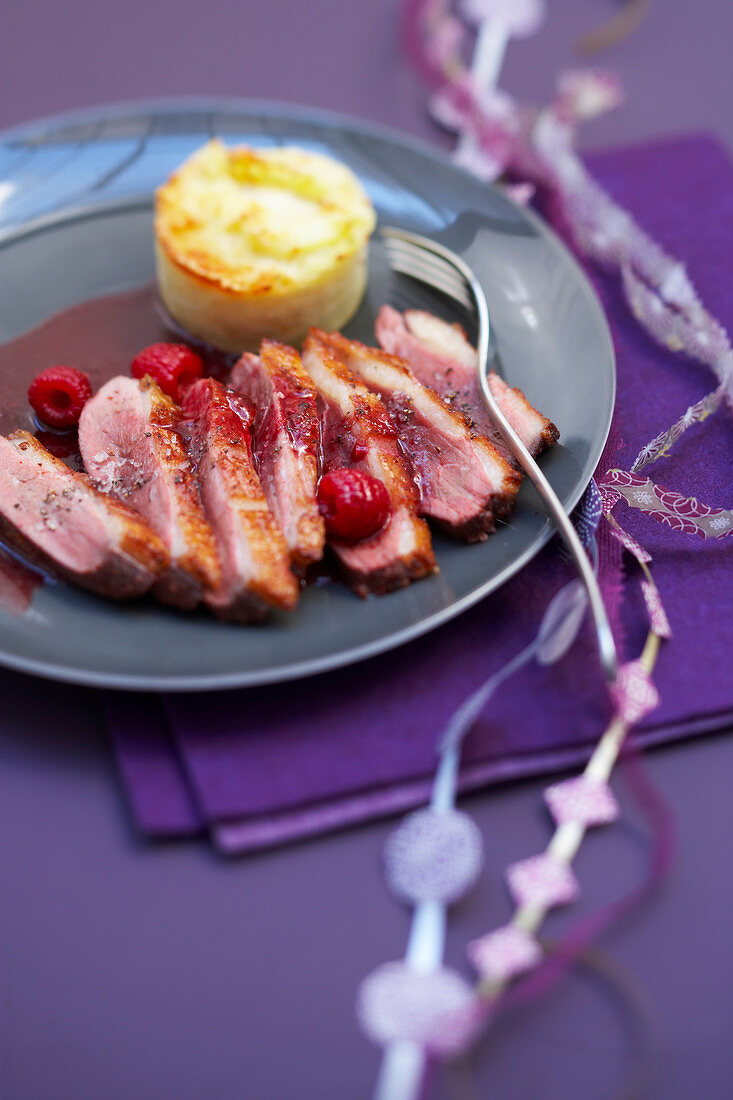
[354,505]
[58,394]
[172,366]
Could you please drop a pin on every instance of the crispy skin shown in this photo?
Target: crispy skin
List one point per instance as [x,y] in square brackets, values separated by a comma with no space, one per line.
[464,483]
[132,447]
[255,561]
[441,357]
[56,519]
[286,436]
[357,432]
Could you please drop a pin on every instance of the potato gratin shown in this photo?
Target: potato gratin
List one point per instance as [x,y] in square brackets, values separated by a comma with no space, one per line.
[254,243]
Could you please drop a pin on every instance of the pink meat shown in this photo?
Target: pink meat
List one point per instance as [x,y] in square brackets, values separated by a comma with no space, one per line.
[132,447]
[441,357]
[56,519]
[255,561]
[286,436]
[356,431]
[464,483]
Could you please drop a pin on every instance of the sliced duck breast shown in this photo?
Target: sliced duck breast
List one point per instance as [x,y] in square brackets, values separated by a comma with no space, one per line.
[255,561]
[464,483]
[357,431]
[56,519]
[441,357]
[131,444]
[286,438]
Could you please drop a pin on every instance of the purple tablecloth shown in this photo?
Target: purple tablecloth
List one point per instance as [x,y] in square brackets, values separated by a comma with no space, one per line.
[263,766]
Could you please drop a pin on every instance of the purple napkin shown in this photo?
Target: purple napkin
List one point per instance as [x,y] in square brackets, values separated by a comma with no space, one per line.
[265,766]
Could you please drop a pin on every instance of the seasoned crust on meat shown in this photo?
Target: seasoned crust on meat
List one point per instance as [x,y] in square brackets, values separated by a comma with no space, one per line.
[56,519]
[287,439]
[464,483]
[357,432]
[256,572]
[131,444]
[442,358]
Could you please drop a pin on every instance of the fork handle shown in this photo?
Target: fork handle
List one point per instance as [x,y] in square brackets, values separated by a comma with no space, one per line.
[604,634]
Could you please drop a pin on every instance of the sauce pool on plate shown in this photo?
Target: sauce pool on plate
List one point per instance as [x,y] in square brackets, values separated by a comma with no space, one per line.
[100,337]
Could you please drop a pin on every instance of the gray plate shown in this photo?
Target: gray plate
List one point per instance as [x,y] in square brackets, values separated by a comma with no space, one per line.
[75,221]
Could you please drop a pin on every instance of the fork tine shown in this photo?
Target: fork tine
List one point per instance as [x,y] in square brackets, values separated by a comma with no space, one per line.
[429,260]
[430,270]
[440,263]
[435,283]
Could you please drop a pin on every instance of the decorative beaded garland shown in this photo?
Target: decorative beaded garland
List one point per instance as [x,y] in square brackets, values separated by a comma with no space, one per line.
[432,1006]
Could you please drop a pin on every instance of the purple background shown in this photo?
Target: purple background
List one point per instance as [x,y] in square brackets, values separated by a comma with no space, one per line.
[129,969]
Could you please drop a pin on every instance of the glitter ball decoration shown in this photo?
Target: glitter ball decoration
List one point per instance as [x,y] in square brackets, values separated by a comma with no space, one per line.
[541,880]
[583,800]
[396,1002]
[503,954]
[433,856]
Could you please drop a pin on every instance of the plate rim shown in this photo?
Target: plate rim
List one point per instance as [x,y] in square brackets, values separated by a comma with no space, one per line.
[328,119]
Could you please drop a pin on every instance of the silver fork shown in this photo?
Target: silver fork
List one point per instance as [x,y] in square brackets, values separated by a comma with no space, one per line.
[438,267]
